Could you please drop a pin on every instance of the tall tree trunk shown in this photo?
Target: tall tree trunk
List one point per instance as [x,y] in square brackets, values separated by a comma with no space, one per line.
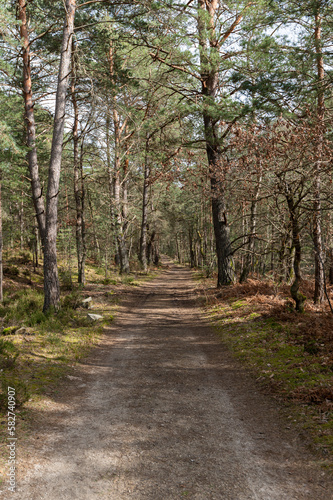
[119,227]
[251,240]
[298,297]
[111,188]
[156,251]
[125,193]
[123,255]
[93,225]
[272,266]
[330,248]
[317,222]
[144,221]
[35,248]
[282,255]
[192,254]
[21,217]
[121,240]
[51,279]
[209,67]
[37,193]
[151,247]
[78,180]
[178,249]
[1,243]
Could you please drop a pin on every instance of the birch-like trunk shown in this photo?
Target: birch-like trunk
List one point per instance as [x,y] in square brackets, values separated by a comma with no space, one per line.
[51,279]
[37,193]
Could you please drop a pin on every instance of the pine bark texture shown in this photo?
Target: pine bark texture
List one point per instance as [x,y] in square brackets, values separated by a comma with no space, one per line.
[51,279]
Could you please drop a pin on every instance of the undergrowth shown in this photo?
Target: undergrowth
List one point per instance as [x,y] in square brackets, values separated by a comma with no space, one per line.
[288,352]
[37,349]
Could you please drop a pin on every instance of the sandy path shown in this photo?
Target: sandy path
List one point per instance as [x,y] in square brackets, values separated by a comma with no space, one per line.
[160,411]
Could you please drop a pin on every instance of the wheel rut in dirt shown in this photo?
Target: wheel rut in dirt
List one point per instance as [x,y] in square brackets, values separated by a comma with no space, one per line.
[161,411]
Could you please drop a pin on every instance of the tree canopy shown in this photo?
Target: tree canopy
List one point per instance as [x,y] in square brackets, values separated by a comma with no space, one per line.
[201,129]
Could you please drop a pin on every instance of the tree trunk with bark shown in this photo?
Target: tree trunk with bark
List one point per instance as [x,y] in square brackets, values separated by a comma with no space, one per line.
[51,279]
[330,269]
[209,69]
[124,210]
[1,243]
[111,188]
[252,230]
[191,243]
[330,248]
[298,297]
[119,222]
[21,219]
[156,251]
[35,248]
[122,248]
[144,221]
[37,192]
[78,181]
[93,226]
[317,219]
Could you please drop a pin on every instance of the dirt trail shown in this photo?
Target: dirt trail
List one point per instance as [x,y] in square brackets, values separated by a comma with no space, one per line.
[160,411]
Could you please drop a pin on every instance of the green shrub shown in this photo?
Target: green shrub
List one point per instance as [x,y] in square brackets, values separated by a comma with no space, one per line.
[53,339]
[11,271]
[8,354]
[127,280]
[66,281]
[10,330]
[311,347]
[109,281]
[23,307]
[72,300]
[23,257]
[36,318]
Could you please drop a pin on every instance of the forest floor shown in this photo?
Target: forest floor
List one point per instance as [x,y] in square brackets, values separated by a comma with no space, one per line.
[161,410]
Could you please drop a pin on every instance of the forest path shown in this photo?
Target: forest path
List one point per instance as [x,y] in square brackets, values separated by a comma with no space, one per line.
[160,411]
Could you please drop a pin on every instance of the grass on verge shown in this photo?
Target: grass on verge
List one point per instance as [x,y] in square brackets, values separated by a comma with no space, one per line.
[290,353]
[37,349]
